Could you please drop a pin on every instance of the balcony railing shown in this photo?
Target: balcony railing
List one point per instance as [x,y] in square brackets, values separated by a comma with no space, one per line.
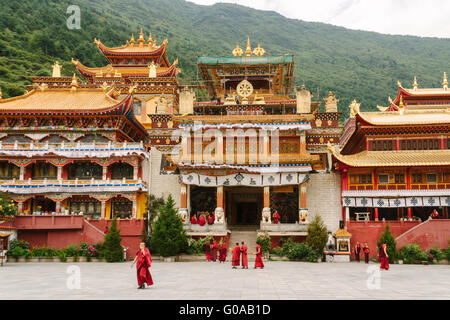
[73,149]
[414,186]
[77,186]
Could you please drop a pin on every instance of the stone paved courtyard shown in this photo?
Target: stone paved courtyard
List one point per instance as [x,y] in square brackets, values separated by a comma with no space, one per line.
[202,280]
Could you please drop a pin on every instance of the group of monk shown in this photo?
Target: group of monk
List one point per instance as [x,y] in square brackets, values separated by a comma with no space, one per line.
[239,251]
[203,218]
[382,252]
[211,249]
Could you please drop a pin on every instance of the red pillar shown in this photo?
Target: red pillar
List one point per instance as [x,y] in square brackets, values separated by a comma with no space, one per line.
[376,214]
[409,213]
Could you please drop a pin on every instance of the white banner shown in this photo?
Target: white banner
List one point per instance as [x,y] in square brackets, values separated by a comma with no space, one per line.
[445,201]
[414,202]
[244,179]
[380,203]
[364,202]
[397,202]
[431,202]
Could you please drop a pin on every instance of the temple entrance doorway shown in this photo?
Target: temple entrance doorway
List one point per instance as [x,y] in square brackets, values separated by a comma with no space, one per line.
[243,206]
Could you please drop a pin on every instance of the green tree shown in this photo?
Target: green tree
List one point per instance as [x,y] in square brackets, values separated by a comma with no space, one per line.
[388,238]
[317,235]
[113,251]
[7,206]
[168,236]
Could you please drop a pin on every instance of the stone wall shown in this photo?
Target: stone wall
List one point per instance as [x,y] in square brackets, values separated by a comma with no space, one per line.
[324,198]
[162,184]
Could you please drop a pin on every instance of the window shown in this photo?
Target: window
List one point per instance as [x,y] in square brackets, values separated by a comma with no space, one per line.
[85,170]
[383,178]
[137,107]
[361,178]
[432,178]
[9,170]
[417,177]
[42,170]
[399,178]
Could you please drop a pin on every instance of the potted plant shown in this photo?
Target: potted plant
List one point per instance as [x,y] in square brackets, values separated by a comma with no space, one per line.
[71,253]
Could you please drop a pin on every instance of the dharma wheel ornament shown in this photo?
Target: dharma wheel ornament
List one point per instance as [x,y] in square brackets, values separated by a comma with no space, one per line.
[237,51]
[244,89]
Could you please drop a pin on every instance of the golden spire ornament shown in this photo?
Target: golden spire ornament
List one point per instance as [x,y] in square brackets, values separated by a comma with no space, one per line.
[248,51]
[445,81]
[141,39]
[415,84]
[132,38]
[150,40]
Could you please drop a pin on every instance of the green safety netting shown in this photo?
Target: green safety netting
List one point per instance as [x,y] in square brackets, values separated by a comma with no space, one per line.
[246,60]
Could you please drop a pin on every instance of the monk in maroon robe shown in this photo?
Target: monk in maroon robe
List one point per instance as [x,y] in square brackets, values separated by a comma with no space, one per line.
[366,252]
[214,251]
[357,250]
[208,251]
[144,261]
[244,256]
[276,217]
[235,258]
[384,257]
[258,261]
[211,218]
[201,220]
[194,219]
[222,252]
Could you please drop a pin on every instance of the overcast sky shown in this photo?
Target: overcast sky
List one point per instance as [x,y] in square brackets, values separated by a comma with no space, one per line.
[426,18]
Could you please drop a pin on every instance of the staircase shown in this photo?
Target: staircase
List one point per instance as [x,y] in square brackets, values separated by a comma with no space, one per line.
[246,234]
[429,234]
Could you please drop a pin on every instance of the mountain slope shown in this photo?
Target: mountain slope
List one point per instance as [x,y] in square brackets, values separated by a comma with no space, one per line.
[353,64]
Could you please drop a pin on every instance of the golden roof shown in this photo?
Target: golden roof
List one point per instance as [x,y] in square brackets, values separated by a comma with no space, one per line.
[407,117]
[395,158]
[60,99]
[342,233]
[132,46]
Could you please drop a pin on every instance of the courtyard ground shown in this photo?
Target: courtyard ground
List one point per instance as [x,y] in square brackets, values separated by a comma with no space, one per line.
[203,280]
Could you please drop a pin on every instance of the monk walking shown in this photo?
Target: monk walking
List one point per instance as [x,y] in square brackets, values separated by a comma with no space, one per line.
[258,261]
[384,257]
[214,251]
[366,252]
[357,250]
[244,256]
[144,261]
[235,259]
[222,251]
[208,251]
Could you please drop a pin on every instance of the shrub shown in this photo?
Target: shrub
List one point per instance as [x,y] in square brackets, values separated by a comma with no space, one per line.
[168,235]
[7,206]
[412,252]
[437,253]
[278,251]
[113,251]
[99,250]
[19,243]
[317,234]
[264,241]
[197,246]
[18,252]
[388,238]
[446,253]
[71,251]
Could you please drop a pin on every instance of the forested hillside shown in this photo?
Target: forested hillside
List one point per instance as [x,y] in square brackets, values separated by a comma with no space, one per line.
[353,64]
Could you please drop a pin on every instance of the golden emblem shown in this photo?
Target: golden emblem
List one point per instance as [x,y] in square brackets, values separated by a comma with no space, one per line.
[237,51]
[258,51]
[244,89]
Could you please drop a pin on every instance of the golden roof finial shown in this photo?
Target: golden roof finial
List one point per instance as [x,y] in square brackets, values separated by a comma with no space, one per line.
[56,72]
[400,103]
[132,38]
[74,83]
[415,84]
[141,39]
[1,94]
[237,51]
[399,83]
[150,40]
[248,51]
[445,81]
[258,51]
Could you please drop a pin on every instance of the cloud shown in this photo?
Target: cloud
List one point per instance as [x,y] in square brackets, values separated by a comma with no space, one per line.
[412,17]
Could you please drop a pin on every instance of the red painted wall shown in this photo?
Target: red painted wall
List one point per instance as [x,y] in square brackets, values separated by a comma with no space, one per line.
[429,234]
[370,232]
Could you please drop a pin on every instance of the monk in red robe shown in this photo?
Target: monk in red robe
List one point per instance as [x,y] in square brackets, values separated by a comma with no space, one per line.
[366,252]
[222,252]
[357,250]
[211,218]
[276,217]
[201,220]
[235,259]
[144,261]
[384,257]
[214,251]
[193,219]
[208,251]
[258,261]
[244,256]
